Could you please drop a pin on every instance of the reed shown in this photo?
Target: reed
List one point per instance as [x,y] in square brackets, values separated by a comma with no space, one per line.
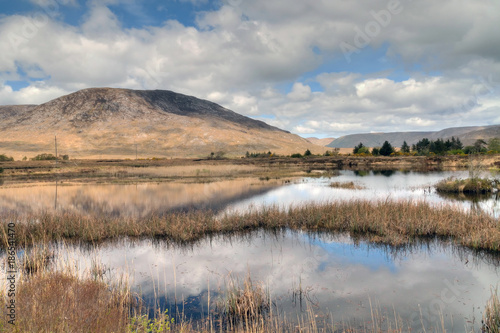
[491,316]
[467,186]
[243,305]
[388,222]
[346,185]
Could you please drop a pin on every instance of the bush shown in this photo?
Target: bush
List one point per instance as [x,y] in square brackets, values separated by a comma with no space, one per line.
[297,155]
[4,158]
[44,157]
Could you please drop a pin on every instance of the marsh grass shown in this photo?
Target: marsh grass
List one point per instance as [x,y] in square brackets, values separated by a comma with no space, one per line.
[346,185]
[37,258]
[388,222]
[243,304]
[491,316]
[59,298]
[466,186]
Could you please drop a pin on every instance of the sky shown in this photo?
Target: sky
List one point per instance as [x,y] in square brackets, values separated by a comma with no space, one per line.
[317,68]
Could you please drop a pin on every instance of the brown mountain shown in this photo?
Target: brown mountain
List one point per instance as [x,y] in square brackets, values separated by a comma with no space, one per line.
[107,122]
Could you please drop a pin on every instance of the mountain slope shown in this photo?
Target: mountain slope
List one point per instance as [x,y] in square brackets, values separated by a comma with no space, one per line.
[320,142]
[468,135]
[109,122]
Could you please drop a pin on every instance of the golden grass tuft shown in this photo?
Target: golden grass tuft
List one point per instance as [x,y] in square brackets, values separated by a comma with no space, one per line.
[491,316]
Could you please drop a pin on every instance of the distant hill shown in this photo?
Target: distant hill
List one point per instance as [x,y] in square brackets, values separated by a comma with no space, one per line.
[468,135]
[107,122]
[320,142]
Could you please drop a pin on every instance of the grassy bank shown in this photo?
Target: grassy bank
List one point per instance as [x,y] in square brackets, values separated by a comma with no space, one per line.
[390,222]
[467,186]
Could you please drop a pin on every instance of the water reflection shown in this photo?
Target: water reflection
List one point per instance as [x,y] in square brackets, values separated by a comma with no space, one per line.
[337,276]
[235,195]
[136,200]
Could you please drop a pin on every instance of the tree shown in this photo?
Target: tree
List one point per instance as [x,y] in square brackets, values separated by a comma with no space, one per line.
[494,145]
[357,148]
[4,157]
[307,153]
[405,148]
[422,147]
[375,151]
[479,145]
[386,149]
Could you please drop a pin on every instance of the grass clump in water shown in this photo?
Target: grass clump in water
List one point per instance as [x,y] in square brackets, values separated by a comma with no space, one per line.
[346,185]
[244,303]
[491,317]
[467,186]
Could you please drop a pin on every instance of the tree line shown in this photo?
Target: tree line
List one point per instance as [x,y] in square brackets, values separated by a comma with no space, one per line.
[425,147]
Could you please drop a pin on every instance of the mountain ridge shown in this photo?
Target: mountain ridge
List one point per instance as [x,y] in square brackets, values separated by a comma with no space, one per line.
[467,134]
[116,122]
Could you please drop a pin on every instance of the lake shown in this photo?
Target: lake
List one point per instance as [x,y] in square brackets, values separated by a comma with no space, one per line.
[335,277]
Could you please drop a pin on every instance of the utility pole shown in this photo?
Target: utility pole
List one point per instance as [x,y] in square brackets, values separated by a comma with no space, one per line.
[55,140]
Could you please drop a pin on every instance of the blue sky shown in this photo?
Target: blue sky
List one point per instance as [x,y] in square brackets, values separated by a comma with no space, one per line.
[323,69]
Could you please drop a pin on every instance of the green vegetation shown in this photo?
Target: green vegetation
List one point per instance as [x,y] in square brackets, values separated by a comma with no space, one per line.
[386,149]
[44,157]
[216,156]
[467,186]
[361,149]
[259,155]
[405,148]
[5,158]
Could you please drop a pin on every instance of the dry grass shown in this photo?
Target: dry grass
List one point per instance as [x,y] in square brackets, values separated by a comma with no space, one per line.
[491,317]
[391,222]
[346,185]
[244,304]
[467,186]
[50,299]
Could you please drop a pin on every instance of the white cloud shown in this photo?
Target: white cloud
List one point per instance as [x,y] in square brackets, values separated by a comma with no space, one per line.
[300,92]
[241,54]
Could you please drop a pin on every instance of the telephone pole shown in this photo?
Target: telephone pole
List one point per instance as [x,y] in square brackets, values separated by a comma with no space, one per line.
[55,140]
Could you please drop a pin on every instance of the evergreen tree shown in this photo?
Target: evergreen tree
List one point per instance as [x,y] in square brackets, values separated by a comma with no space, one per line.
[405,148]
[357,148]
[386,149]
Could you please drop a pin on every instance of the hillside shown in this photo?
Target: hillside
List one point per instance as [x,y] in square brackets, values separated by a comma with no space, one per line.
[468,135]
[107,122]
[320,142]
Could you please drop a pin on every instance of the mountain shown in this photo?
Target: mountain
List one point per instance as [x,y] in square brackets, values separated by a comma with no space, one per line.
[468,135]
[320,142]
[108,122]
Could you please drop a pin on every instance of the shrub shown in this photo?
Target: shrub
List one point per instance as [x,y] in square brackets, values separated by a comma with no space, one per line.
[43,157]
[5,158]
[297,155]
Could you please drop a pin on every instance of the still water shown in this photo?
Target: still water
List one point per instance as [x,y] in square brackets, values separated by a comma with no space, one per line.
[234,195]
[341,280]
[338,278]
